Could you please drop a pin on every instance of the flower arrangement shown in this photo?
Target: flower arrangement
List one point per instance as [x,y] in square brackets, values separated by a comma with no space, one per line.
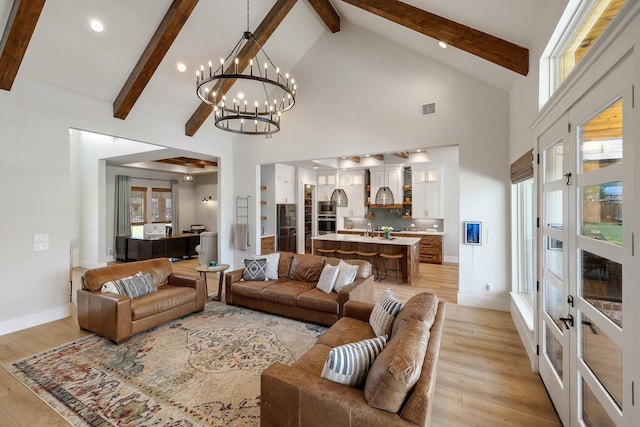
[387,231]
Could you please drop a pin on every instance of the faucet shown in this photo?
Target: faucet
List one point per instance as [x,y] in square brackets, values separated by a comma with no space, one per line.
[368,232]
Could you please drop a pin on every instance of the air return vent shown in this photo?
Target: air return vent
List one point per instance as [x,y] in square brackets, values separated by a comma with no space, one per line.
[429,108]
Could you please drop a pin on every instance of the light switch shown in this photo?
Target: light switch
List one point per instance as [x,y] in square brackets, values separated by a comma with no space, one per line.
[40,242]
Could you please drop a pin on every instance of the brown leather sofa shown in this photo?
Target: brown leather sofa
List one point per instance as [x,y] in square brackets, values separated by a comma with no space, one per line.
[119,317]
[297,395]
[294,293]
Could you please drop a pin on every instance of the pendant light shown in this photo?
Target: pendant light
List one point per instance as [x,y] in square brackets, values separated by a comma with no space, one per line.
[339,196]
[384,196]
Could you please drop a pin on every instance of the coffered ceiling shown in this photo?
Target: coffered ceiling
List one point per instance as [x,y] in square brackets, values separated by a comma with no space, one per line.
[132,63]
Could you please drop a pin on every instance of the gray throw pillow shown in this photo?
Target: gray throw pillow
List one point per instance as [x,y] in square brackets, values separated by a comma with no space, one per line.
[254,269]
[349,364]
[133,286]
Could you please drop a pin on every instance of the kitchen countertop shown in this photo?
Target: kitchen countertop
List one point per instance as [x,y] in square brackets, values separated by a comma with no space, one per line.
[268,235]
[398,241]
[416,232]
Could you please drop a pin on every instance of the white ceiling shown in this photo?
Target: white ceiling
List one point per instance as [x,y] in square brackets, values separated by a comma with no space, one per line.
[65,52]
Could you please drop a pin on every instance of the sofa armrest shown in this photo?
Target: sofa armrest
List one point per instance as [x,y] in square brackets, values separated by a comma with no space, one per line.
[294,397]
[198,284]
[358,310]
[230,278]
[359,290]
[106,314]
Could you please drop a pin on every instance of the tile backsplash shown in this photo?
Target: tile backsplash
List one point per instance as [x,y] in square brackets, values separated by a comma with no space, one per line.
[393,218]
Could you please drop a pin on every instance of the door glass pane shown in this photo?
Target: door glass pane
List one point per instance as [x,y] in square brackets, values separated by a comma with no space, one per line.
[553,162]
[601,139]
[593,414]
[553,209]
[553,350]
[602,212]
[601,285]
[604,358]
[553,256]
[553,303]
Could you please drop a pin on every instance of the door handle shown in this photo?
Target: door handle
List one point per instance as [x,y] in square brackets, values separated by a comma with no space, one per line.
[568,321]
[590,325]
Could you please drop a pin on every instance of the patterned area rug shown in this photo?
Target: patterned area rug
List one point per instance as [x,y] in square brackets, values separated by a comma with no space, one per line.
[203,369]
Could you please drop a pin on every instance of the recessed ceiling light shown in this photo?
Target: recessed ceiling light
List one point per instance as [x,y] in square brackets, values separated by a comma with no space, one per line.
[97,26]
[442,45]
[181,67]
[240,95]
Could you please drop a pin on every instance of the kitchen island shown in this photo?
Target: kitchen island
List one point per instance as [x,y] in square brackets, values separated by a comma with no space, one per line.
[407,246]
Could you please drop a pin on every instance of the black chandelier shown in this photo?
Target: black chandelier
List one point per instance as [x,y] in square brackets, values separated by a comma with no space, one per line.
[262,93]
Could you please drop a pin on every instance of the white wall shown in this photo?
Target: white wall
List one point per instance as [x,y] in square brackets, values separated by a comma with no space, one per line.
[367,100]
[37,196]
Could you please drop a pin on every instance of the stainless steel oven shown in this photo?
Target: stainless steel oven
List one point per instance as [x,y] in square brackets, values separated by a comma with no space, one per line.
[326,224]
[326,208]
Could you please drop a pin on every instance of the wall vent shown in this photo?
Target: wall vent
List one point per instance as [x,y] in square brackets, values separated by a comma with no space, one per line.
[429,108]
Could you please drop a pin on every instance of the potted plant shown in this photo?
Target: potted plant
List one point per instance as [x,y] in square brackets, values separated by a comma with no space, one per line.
[387,231]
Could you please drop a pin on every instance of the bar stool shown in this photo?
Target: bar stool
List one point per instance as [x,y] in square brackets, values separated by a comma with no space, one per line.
[371,257]
[385,260]
[345,253]
[325,251]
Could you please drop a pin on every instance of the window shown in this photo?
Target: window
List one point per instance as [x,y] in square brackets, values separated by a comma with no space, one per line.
[160,205]
[138,205]
[582,23]
[523,208]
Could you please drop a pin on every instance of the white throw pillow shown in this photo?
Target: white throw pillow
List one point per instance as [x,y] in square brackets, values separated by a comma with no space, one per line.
[384,313]
[346,276]
[271,269]
[349,364]
[327,278]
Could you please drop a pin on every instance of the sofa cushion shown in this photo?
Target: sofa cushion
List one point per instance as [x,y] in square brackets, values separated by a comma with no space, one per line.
[165,299]
[286,293]
[346,275]
[251,289]
[398,367]
[349,364]
[384,313]
[346,330]
[159,268]
[306,268]
[254,269]
[284,264]
[273,262]
[327,278]
[313,360]
[317,300]
[132,286]
[422,307]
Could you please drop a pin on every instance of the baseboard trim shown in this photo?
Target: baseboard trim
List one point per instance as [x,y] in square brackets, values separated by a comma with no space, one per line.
[493,302]
[24,322]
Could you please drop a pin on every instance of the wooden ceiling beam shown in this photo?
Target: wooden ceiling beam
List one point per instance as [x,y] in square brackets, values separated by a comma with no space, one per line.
[354,159]
[327,13]
[476,42]
[266,28]
[188,161]
[162,39]
[17,34]
[379,157]
[403,154]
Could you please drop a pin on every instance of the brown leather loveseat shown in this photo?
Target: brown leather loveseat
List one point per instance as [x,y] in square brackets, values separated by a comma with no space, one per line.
[294,293]
[298,396]
[118,317]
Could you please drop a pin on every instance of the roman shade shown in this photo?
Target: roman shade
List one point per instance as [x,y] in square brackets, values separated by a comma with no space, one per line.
[522,169]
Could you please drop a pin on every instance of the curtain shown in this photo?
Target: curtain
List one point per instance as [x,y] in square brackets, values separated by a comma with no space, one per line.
[122,222]
[175,220]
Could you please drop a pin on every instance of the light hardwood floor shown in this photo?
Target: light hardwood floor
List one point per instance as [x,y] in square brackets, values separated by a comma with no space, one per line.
[484,376]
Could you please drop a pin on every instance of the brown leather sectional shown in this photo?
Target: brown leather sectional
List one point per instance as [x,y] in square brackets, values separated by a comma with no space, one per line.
[294,293]
[297,395]
[119,317]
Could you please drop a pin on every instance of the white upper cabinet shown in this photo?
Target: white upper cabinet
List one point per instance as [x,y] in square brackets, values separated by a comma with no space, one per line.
[391,177]
[285,184]
[352,182]
[426,191]
[326,185]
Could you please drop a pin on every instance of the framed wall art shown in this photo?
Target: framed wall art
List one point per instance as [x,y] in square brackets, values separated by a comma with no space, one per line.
[472,233]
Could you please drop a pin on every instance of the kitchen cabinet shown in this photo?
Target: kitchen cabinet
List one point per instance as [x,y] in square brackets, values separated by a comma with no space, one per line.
[285,184]
[430,246]
[426,193]
[326,184]
[389,177]
[352,182]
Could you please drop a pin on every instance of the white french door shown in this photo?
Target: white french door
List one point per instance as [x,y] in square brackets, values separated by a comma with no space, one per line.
[585,256]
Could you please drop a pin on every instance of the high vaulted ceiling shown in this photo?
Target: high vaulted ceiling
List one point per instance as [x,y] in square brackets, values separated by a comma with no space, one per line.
[133,62]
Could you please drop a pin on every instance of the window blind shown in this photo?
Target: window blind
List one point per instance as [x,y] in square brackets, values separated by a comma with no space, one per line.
[522,169]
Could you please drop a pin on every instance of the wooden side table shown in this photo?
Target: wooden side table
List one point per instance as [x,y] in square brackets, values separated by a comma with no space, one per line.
[220,268]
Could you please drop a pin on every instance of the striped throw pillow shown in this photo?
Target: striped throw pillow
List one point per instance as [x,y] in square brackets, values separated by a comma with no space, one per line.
[384,313]
[349,364]
[133,286]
